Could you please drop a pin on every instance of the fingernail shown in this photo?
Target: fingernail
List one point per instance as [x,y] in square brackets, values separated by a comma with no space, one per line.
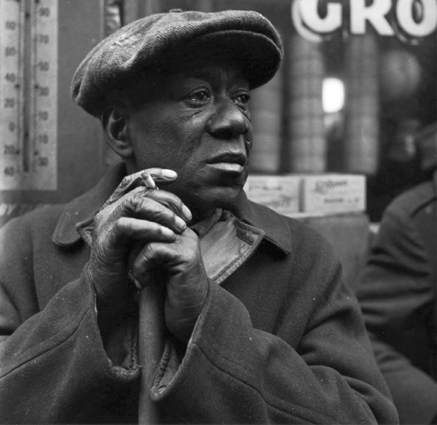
[180,224]
[168,174]
[168,233]
[186,213]
[138,284]
[135,280]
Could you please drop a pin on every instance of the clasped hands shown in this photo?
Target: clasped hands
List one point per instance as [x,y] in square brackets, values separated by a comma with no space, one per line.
[139,234]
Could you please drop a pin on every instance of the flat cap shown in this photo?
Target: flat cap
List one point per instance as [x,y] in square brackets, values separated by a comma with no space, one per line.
[245,36]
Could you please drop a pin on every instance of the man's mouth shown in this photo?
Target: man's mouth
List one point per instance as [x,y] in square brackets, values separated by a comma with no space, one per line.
[231,162]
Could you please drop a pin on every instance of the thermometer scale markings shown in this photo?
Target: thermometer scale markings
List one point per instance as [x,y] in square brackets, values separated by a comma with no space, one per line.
[28,94]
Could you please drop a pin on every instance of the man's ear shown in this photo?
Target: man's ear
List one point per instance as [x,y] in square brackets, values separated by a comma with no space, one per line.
[115,125]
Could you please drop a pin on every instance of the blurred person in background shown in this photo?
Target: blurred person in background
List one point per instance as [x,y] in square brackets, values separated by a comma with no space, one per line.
[397,292]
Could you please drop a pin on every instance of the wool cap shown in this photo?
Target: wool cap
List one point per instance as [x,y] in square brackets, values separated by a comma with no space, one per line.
[246,37]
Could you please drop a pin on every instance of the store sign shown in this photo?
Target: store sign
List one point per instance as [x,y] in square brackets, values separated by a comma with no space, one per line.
[409,20]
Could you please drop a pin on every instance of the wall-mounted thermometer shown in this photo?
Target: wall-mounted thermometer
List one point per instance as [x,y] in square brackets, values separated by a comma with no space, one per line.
[28,94]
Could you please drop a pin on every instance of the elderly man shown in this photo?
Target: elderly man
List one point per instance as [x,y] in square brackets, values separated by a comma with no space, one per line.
[257,324]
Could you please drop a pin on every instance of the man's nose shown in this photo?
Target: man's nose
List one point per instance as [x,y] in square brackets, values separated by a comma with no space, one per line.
[228,121]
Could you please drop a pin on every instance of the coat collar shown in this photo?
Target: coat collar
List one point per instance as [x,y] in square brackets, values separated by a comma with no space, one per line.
[84,208]
[276,227]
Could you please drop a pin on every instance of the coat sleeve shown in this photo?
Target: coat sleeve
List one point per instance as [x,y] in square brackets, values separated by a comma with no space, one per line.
[53,365]
[395,291]
[234,373]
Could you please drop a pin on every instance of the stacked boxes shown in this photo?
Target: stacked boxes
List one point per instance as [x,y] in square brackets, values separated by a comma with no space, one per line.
[280,193]
[309,194]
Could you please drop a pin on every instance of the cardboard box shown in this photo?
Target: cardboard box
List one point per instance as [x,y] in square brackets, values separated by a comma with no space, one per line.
[333,193]
[280,193]
[309,194]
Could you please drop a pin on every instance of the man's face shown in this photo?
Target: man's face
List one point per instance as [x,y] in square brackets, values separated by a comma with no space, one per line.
[199,126]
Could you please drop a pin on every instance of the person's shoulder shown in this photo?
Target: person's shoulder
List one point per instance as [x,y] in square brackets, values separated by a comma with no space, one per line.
[414,199]
[302,236]
[40,220]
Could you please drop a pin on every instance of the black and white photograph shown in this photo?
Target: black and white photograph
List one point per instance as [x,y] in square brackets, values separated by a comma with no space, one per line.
[218,212]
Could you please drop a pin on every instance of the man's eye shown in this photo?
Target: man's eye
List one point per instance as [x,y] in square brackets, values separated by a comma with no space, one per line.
[199,98]
[241,99]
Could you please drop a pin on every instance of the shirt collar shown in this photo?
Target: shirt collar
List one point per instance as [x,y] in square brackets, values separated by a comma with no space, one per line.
[82,209]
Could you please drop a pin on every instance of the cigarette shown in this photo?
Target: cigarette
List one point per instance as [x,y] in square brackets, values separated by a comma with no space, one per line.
[148,181]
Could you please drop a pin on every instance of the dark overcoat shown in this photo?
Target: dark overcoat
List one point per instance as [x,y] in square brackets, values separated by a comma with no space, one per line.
[281,340]
[397,291]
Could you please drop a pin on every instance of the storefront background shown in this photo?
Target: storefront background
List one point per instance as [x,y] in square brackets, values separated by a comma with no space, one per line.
[349,103]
